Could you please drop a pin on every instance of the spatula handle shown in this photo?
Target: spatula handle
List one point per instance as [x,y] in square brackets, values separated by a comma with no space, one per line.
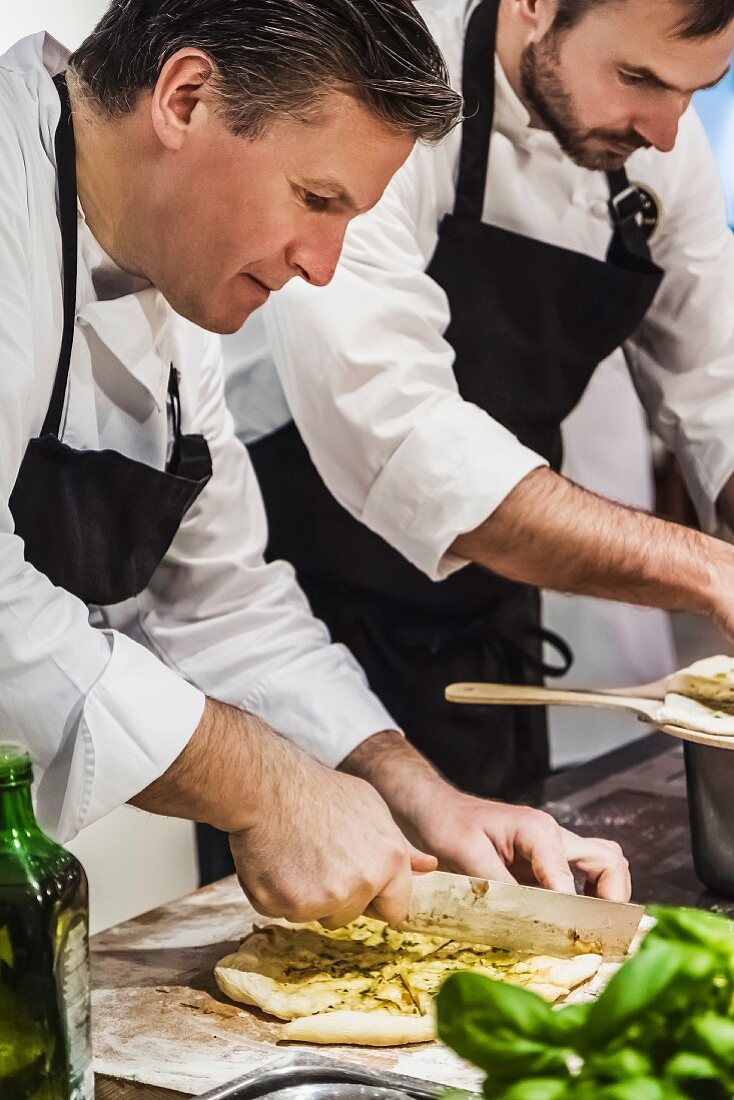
[518,695]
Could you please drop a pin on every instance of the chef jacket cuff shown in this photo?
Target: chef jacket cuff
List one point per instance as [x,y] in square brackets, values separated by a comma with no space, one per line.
[135,722]
[445,479]
[323,704]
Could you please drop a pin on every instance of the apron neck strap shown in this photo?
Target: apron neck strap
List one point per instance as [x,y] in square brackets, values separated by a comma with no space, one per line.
[66,177]
[478,90]
[478,87]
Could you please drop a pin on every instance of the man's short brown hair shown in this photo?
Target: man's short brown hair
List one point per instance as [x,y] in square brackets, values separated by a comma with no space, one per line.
[276,57]
[699,18]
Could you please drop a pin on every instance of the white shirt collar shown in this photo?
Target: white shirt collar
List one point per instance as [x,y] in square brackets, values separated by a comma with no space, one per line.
[129,316]
[510,112]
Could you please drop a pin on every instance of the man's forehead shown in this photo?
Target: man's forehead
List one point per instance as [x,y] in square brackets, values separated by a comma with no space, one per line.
[644,36]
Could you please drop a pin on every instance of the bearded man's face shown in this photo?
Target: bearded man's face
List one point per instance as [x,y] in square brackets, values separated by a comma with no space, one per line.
[620,79]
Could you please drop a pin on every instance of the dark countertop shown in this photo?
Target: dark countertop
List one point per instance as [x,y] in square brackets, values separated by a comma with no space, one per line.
[637,796]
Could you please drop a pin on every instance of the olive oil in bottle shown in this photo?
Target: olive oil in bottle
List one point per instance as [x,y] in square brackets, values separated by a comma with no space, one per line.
[45,1048]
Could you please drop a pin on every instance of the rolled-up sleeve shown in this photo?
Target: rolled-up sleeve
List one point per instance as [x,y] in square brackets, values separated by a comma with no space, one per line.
[682,357]
[369,380]
[240,628]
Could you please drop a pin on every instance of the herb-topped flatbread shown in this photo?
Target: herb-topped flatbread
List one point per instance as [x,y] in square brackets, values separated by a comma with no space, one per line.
[368,984]
[710,680]
[696,714]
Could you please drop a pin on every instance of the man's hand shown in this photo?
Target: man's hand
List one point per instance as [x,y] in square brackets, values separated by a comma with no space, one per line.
[473,836]
[309,843]
[331,853]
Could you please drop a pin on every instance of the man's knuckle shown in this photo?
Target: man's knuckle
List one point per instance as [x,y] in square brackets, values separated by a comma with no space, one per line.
[542,820]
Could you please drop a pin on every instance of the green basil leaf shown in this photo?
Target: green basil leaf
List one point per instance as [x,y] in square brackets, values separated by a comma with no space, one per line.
[620,1065]
[473,1009]
[542,1088]
[644,982]
[571,1019]
[686,1066]
[693,926]
[638,1088]
[509,1058]
[714,1035]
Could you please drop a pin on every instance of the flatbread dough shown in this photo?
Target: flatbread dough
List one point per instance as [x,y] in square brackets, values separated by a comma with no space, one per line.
[694,714]
[370,985]
[708,681]
[366,1029]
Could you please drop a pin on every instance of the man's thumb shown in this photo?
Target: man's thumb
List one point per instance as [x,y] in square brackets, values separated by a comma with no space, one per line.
[420,862]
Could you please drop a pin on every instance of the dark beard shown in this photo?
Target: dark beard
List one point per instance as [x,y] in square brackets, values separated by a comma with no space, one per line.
[543,90]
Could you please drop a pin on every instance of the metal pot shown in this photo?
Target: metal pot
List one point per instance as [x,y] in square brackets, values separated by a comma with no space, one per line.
[710,782]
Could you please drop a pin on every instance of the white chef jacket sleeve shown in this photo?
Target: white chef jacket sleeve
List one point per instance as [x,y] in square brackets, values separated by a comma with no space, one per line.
[100,715]
[682,356]
[240,629]
[369,380]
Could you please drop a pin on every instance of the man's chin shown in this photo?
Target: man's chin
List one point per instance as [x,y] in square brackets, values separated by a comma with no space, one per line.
[598,158]
[222,319]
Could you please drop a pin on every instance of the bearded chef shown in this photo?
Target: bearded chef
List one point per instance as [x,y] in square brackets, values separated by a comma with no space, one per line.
[576,214]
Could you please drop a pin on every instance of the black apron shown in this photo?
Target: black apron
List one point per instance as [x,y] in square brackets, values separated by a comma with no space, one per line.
[530,322]
[96,522]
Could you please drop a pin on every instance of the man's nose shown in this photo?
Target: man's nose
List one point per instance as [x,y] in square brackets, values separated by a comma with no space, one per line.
[316,253]
[660,127]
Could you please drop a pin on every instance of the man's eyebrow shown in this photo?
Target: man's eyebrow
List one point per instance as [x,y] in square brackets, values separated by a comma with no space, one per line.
[656,81]
[333,190]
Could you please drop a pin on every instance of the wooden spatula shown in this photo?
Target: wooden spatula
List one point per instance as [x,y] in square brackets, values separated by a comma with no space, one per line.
[512,695]
[646,708]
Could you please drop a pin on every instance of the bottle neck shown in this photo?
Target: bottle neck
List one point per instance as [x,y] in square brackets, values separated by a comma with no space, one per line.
[16,809]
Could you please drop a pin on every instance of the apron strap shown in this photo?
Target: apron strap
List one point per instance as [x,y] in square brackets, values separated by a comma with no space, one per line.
[627,212]
[487,631]
[478,88]
[66,177]
[174,461]
[476,130]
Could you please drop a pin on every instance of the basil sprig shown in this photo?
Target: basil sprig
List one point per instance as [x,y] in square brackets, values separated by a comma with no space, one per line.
[663,1029]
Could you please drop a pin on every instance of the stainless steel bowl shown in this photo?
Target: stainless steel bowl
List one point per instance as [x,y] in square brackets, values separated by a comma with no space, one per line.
[311,1077]
[330,1091]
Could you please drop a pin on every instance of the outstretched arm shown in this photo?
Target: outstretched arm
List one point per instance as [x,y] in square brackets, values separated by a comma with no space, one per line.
[552,533]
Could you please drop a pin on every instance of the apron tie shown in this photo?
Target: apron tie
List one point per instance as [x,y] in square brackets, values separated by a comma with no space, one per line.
[485,629]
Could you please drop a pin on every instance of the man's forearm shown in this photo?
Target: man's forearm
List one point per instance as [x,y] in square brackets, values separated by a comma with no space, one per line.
[400,773]
[232,760]
[551,533]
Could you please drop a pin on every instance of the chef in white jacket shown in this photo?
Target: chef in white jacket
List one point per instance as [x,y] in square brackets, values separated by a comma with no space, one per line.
[144,173]
[576,215]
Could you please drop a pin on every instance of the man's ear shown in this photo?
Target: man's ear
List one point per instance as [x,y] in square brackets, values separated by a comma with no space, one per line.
[181,97]
[536,15]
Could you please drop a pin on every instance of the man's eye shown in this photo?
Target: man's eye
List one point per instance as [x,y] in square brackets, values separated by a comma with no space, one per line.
[630,78]
[315,202]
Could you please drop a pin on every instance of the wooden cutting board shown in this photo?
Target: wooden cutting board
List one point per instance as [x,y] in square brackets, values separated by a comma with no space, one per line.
[159,1018]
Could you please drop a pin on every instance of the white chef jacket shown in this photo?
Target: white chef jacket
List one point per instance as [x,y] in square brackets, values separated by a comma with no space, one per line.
[105,712]
[367,373]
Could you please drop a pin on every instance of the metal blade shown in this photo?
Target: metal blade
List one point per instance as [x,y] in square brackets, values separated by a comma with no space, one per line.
[519,918]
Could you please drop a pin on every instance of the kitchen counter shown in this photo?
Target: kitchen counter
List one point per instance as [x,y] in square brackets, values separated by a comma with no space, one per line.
[635,795]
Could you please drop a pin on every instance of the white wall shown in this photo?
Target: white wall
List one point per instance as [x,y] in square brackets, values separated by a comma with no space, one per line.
[134,861]
[68,20]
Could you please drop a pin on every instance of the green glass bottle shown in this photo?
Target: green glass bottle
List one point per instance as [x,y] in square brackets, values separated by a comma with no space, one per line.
[45,1047]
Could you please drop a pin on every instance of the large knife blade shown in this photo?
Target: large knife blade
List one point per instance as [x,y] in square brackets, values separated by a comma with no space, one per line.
[519,918]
